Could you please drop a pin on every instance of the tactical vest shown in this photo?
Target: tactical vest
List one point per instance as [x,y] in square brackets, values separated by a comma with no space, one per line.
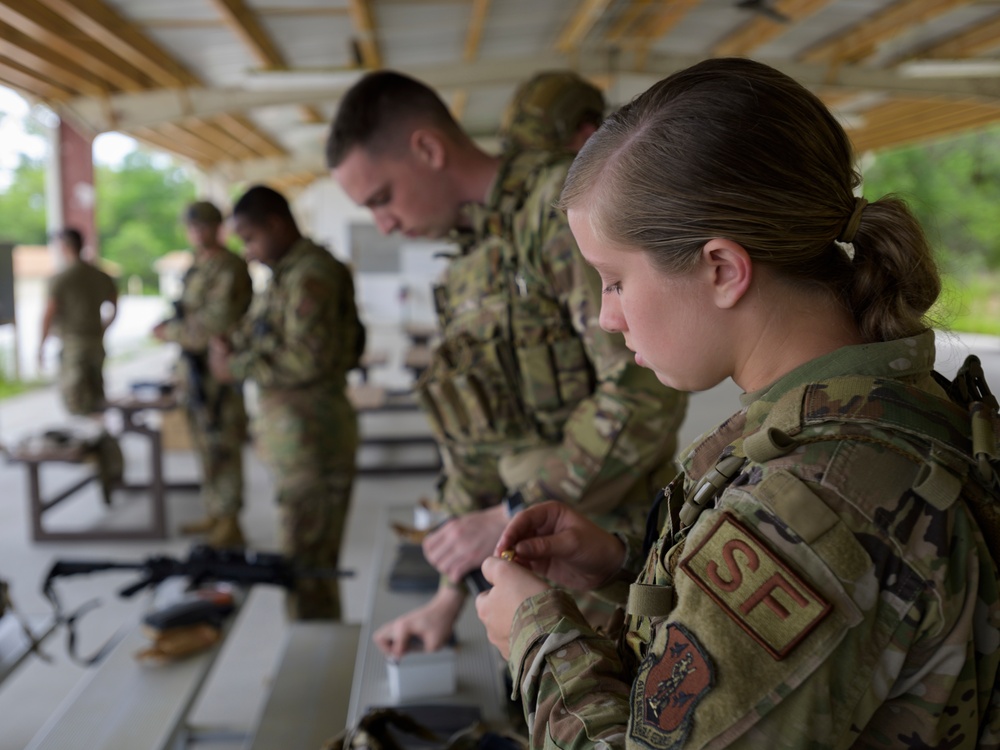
[510,364]
[960,458]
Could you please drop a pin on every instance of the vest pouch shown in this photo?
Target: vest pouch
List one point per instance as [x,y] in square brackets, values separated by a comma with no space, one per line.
[539,384]
[454,420]
[573,370]
[475,404]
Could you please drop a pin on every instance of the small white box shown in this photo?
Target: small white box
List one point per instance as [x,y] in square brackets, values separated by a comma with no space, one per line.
[426,519]
[420,674]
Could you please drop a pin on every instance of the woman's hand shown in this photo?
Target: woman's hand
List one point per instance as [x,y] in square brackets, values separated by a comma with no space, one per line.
[563,546]
[512,585]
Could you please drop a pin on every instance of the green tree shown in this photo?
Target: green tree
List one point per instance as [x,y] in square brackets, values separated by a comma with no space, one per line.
[139,205]
[22,204]
[953,187]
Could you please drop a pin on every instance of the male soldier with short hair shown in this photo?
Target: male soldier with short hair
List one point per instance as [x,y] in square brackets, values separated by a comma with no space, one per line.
[217,293]
[555,110]
[82,303]
[299,341]
[528,398]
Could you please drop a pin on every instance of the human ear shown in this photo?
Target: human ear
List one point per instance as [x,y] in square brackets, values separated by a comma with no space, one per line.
[730,271]
[428,147]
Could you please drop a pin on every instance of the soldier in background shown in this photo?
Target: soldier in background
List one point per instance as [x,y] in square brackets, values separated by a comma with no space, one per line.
[82,303]
[528,398]
[298,342]
[217,293]
[556,110]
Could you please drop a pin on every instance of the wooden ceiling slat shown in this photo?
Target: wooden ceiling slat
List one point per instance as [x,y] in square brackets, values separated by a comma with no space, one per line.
[117,33]
[48,28]
[193,143]
[157,140]
[622,27]
[587,14]
[240,126]
[233,148]
[364,25]
[904,121]
[760,30]
[669,16]
[243,22]
[861,40]
[32,83]
[474,36]
[49,63]
[982,37]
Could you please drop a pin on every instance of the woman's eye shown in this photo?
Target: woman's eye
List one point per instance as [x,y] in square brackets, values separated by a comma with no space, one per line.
[614,288]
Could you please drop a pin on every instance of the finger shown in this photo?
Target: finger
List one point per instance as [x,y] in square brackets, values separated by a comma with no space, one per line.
[538,520]
[490,570]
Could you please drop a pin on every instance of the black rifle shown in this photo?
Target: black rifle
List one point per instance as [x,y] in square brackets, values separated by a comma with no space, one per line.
[202,564]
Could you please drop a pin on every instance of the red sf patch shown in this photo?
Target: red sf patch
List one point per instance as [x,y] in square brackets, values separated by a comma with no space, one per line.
[672,680]
[757,589]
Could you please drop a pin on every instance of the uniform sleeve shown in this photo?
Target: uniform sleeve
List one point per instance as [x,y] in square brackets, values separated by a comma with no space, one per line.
[225,301]
[571,681]
[299,345]
[627,427]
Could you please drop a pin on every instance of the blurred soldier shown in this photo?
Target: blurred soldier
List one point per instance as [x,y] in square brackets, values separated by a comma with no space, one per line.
[217,293]
[298,343]
[556,110]
[82,304]
[529,399]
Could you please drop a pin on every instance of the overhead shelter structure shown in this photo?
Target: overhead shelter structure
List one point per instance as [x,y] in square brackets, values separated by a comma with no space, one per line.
[245,89]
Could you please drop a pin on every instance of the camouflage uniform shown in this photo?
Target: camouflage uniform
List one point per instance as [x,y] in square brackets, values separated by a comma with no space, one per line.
[217,293]
[526,392]
[79,291]
[547,110]
[297,344]
[834,594]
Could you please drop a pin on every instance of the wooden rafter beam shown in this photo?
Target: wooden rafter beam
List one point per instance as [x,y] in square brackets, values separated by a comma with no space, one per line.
[636,11]
[970,42]
[911,120]
[242,21]
[364,25]
[588,13]
[861,40]
[761,29]
[231,148]
[474,34]
[662,22]
[46,62]
[470,52]
[241,127]
[15,75]
[158,140]
[50,29]
[113,31]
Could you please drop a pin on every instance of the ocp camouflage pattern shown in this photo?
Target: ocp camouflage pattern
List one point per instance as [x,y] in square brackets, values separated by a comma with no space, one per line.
[525,382]
[839,592]
[216,294]
[298,343]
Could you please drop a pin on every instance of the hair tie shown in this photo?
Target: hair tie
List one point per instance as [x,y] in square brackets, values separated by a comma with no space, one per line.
[846,240]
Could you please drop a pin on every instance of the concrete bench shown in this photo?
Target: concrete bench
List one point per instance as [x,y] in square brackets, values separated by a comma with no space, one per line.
[310,694]
[15,646]
[121,704]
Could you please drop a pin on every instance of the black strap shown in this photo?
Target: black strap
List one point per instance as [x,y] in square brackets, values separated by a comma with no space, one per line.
[653,522]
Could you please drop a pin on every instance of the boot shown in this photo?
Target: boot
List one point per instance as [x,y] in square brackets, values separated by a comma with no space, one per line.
[226,534]
[202,526]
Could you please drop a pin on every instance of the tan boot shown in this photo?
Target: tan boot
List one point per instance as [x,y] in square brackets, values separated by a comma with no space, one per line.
[202,526]
[226,534]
